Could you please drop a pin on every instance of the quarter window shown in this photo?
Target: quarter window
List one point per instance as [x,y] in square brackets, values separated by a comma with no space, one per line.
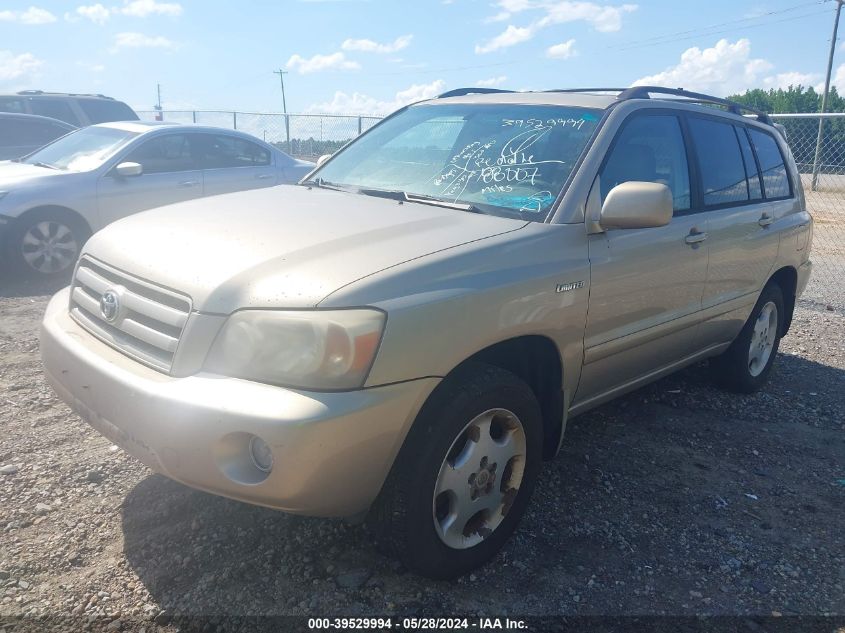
[650,149]
[723,178]
[775,179]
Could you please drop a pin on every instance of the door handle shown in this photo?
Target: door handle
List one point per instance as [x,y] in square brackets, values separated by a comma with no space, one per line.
[695,237]
[189,183]
[263,176]
[766,219]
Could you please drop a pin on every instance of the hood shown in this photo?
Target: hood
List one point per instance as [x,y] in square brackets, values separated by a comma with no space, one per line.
[285,246]
[15,173]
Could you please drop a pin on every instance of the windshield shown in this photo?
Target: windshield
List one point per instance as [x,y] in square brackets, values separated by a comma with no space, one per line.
[509,160]
[82,150]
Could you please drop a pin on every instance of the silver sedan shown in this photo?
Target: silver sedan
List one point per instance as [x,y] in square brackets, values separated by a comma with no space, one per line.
[52,200]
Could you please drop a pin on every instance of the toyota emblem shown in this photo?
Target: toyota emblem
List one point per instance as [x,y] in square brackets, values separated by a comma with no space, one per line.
[110,305]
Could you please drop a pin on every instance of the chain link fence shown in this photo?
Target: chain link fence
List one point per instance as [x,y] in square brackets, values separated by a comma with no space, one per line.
[819,151]
[820,158]
[306,136]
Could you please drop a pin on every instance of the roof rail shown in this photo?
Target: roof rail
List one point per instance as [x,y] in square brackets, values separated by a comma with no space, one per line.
[643,92]
[62,94]
[460,92]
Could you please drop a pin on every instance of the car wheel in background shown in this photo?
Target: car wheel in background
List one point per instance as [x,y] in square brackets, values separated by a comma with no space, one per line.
[465,474]
[745,365]
[46,243]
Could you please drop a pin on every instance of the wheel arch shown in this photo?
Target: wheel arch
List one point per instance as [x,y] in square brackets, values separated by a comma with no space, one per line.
[536,360]
[787,279]
[74,215]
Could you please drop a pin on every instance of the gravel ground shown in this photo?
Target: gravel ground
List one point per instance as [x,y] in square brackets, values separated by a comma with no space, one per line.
[676,499]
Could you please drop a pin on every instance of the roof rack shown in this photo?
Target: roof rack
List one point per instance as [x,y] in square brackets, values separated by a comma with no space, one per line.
[460,92]
[644,92]
[62,94]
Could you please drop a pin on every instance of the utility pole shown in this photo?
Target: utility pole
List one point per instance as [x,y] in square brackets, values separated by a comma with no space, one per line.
[281,73]
[817,158]
[159,113]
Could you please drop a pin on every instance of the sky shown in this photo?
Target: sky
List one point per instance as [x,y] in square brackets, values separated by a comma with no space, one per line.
[372,56]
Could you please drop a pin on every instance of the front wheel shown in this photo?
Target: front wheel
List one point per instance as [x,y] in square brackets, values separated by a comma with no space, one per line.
[46,243]
[465,474]
[746,364]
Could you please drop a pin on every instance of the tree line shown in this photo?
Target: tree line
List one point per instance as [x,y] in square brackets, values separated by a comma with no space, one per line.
[801,133]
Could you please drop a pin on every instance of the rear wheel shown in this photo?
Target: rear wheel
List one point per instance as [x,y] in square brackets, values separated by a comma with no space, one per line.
[746,364]
[464,476]
[46,243]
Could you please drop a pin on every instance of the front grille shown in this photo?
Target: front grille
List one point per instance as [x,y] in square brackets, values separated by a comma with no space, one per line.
[148,323]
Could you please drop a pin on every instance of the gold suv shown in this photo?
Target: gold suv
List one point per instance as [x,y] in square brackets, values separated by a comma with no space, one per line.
[403,335]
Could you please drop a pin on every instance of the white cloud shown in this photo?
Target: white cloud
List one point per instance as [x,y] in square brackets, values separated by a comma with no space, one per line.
[143,8]
[784,80]
[357,103]
[369,46]
[317,63]
[726,68]
[97,13]
[603,18]
[564,50]
[493,81]
[139,40]
[510,36]
[19,66]
[32,16]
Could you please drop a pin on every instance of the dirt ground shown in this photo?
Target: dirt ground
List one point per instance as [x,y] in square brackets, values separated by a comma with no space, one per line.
[677,499]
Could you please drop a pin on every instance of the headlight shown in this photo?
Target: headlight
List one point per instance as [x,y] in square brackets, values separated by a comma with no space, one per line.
[317,349]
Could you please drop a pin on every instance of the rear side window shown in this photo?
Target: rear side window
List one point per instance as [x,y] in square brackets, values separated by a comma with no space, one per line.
[105,110]
[55,109]
[28,133]
[723,178]
[755,192]
[221,151]
[775,178]
[649,148]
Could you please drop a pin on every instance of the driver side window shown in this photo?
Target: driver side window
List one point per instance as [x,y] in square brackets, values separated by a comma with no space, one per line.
[649,148]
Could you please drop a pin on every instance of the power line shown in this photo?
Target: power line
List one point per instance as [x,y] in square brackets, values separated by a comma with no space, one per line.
[762,16]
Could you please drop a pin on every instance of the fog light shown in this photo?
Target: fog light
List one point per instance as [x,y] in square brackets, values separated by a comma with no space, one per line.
[261,454]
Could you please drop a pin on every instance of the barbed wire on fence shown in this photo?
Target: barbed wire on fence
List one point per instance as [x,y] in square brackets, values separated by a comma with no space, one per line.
[820,160]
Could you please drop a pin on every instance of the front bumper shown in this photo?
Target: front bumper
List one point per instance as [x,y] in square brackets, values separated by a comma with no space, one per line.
[331,451]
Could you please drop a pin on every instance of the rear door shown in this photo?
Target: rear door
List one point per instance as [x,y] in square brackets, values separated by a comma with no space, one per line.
[59,108]
[645,284]
[231,163]
[743,247]
[170,174]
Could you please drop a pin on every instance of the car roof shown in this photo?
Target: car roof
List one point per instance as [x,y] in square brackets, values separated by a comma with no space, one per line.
[602,98]
[143,127]
[43,94]
[20,116]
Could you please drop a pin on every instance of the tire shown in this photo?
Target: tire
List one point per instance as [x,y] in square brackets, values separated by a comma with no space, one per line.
[46,244]
[746,364]
[478,415]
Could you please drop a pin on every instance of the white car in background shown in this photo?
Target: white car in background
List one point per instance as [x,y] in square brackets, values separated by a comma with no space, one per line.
[52,200]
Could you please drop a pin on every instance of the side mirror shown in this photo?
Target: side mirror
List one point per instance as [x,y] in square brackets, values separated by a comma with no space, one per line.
[128,170]
[323,159]
[637,205]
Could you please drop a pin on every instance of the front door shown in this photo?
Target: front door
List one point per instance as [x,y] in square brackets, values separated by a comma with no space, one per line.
[645,284]
[169,175]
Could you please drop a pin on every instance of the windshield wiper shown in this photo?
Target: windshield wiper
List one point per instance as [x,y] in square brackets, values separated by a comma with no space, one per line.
[404,196]
[323,184]
[47,165]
